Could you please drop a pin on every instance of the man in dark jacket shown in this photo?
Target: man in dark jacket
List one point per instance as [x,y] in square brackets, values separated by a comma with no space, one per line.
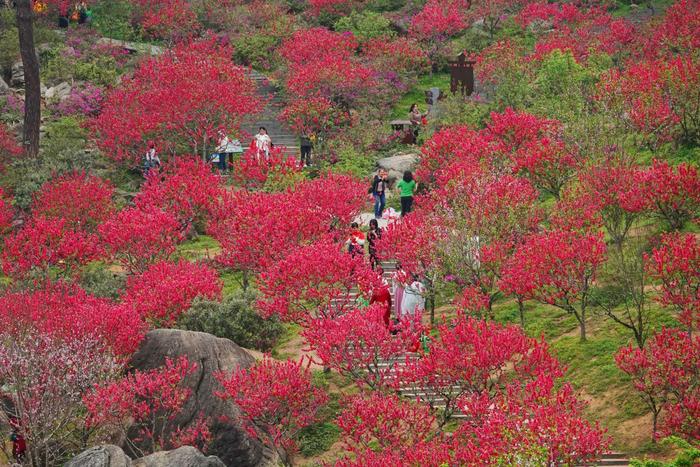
[379,186]
[305,144]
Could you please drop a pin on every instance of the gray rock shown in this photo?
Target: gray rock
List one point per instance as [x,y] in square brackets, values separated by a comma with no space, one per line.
[397,165]
[230,441]
[17,79]
[186,456]
[4,87]
[60,91]
[107,455]
[132,47]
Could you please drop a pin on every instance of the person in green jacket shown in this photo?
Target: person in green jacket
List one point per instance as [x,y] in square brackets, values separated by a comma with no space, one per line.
[407,187]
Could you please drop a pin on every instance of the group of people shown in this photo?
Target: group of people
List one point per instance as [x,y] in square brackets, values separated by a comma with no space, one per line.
[261,144]
[79,13]
[408,291]
[406,187]
[356,241]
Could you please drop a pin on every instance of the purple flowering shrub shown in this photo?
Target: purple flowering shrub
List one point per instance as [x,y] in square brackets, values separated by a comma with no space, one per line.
[85,100]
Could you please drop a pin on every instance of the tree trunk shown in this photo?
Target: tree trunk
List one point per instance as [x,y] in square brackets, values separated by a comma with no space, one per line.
[245,281]
[582,325]
[32,84]
[521,312]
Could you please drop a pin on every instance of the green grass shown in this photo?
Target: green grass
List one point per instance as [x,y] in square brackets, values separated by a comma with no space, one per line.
[625,8]
[590,366]
[202,246]
[539,319]
[318,438]
[291,331]
[417,94]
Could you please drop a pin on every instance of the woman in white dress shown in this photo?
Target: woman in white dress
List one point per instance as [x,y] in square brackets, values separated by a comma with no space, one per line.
[413,302]
[263,143]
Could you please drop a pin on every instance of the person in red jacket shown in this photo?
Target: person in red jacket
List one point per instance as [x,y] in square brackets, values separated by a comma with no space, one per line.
[19,445]
[356,242]
[382,296]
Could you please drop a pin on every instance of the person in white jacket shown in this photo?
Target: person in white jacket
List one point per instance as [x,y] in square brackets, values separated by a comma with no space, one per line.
[221,150]
[263,143]
[151,158]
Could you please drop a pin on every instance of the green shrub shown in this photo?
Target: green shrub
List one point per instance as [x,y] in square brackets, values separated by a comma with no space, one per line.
[456,110]
[102,71]
[386,5]
[318,438]
[57,67]
[9,42]
[688,457]
[255,50]
[100,282]
[65,134]
[62,150]
[353,160]
[365,25]
[234,318]
[112,18]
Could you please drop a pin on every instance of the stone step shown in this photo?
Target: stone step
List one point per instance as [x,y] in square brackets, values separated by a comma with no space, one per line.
[609,459]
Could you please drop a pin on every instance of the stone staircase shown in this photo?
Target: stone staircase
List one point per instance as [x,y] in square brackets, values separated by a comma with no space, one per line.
[281,135]
[437,401]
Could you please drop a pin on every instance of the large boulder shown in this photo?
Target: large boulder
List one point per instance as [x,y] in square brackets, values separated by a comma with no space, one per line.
[397,165]
[107,455]
[4,87]
[186,456]
[230,441]
[17,79]
[60,91]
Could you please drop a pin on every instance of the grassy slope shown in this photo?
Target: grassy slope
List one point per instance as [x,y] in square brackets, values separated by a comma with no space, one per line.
[417,94]
[591,367]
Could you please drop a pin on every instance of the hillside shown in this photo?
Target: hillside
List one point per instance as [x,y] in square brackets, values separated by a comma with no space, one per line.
[189,258]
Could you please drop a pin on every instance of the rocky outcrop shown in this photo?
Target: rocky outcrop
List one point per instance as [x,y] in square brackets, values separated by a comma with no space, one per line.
[60,91]
[230,441]
[17,79]
[107,455]
[186,456]
[4,87]
[132,47]
[397,165]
